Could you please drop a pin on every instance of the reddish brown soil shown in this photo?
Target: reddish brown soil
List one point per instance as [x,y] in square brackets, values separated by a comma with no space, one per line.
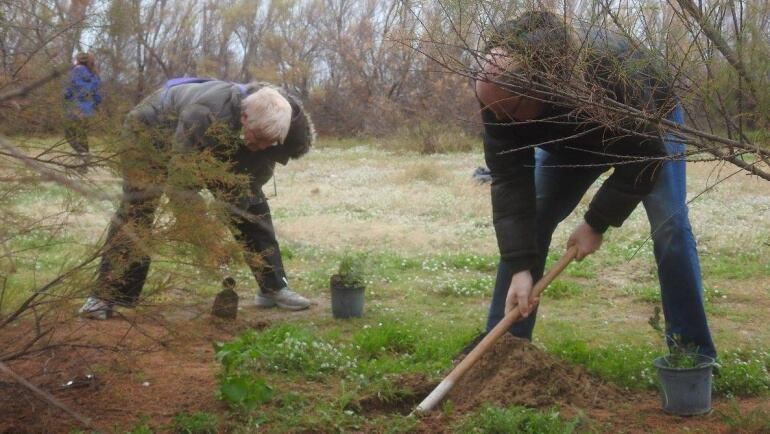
[515,372]
[159,362]
[153,363]
[411,390]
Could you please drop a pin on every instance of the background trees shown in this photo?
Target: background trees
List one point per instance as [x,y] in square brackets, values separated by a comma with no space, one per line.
[359,64]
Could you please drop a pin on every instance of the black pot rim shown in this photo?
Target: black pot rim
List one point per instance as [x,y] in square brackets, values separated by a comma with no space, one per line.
[708,362]
[336,285]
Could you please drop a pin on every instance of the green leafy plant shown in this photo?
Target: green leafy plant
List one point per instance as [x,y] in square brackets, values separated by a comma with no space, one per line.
[244,392]
[743,373]
[288,349]
[351,271]
[681,355]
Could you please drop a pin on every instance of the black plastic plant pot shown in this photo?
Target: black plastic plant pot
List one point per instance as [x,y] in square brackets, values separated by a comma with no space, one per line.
[347,300]
[685,391]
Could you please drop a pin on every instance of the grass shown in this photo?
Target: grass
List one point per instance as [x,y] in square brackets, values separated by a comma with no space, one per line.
[195,423]
[628,366]
[142,426]
[741,372]
[643,293]
[582,269]
[489,420]
[341,370]
[392,345]
[752,421]
[426,230]
[736,265]
[562,289]
[344,368]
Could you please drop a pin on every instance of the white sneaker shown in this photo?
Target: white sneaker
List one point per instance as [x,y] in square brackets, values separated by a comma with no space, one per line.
[284,298]
[96,308]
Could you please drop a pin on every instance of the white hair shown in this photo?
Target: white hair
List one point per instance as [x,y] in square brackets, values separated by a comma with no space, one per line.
[268,113]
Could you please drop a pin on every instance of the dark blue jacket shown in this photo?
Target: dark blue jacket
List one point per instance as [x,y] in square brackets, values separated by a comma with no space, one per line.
[81,93]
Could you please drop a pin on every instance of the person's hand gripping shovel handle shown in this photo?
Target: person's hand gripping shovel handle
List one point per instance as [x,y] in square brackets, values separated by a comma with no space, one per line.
[450,380]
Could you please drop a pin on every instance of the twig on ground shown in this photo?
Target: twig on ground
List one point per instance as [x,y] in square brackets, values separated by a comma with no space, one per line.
[47,397]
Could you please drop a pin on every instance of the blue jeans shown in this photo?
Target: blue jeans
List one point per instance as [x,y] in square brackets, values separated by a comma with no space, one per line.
[559,190]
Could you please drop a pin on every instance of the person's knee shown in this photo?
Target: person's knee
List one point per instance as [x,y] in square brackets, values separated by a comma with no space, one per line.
[254,205]
[673,232]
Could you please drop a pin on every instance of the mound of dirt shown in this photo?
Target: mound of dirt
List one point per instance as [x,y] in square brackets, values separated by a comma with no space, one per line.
[515,372]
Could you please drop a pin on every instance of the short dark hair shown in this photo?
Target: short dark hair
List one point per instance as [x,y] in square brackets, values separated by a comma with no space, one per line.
[541,39]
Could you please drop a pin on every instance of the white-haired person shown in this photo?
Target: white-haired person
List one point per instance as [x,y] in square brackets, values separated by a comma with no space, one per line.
[247,127]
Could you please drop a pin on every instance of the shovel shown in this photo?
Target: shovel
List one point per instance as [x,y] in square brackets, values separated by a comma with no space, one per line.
[226,302]
[457,373]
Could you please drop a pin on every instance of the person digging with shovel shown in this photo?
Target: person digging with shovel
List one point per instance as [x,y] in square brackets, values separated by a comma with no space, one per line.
[546,140]
[248,128]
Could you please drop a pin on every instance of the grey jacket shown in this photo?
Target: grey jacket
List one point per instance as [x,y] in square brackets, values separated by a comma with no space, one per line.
[207,115]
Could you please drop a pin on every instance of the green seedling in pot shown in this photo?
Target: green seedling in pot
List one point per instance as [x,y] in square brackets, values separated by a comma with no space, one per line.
[347,287]
[681,355]
[351,272]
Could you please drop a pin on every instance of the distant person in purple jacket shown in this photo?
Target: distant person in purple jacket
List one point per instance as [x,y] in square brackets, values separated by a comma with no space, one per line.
[81,100]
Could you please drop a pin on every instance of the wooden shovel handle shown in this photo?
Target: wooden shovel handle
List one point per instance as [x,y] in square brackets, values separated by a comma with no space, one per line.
[457,373]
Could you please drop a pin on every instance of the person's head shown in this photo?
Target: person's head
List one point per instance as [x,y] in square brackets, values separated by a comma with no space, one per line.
[266,118]
[86,59]
[497,92]
[524,56]
[81,58]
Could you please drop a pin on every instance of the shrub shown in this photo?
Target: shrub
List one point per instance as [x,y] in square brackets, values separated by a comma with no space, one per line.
[351,271]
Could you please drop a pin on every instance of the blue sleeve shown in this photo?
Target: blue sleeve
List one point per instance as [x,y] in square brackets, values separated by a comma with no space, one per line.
[71,90]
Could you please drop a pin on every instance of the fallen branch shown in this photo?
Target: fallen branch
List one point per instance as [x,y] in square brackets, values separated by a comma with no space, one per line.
[47,397]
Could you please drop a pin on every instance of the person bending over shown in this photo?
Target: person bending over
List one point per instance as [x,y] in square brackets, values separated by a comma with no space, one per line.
[545,150]
[248,128]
